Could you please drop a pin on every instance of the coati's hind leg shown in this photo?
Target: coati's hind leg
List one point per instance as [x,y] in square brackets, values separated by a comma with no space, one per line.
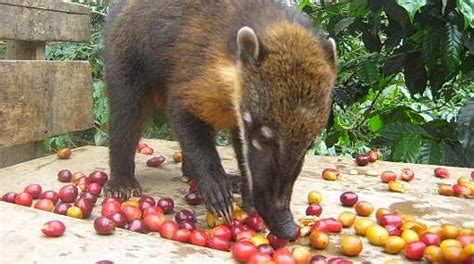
[196,139]
[129,104]
[245,190]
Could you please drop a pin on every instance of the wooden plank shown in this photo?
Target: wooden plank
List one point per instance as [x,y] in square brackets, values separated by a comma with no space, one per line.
[25,50]
[52,5]
[41,99]
[421,200]
[20,153]
[31,24]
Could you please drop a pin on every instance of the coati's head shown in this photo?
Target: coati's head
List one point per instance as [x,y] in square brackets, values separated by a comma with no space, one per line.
[286,79]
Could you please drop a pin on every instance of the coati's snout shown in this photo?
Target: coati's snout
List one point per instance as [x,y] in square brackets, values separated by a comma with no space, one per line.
[286,76]
[274,169]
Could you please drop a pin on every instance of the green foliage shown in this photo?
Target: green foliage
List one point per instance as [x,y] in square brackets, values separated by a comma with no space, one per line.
[405,70]
[466,7]
[411,6]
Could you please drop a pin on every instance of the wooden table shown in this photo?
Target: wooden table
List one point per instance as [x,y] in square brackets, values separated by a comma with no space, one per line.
[21,240]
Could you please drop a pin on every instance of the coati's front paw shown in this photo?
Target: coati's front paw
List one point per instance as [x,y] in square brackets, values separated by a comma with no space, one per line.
[217,195]
[122,188]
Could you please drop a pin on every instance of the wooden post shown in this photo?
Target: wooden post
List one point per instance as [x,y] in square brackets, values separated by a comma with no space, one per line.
[23,50]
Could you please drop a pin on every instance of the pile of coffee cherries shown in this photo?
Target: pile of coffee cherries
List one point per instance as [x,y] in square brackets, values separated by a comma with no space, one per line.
[76,199]
[392,231]
[245,237]
[464,186]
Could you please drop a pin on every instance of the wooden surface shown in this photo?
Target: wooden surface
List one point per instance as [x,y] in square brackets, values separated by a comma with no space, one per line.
[22,242]
[43,20]
[41,99]
[22,50]
[51,5]
[20,153]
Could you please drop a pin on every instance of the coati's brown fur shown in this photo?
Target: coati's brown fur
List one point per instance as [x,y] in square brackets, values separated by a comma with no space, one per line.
[253,66]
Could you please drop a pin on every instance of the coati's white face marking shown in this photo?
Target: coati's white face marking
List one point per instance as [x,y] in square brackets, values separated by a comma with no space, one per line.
[247,117]
[256,144]
[245,149]
[267,132]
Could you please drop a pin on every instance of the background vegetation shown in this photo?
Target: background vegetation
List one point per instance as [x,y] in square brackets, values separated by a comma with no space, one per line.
[406,80]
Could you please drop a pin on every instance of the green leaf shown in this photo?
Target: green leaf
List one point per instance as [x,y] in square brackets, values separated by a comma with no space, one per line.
[303,4]
[371,41]
[452,45]
[432,45]
[100,138]
[368,71]
[395,13]
[443,8]
[375,5]
[441,129]
[342,24]
[332,138]
[47,145]
[466,7]
[375,123]
[394,63]
[454,155]
[411,6]
[358,8]
[438,77]
[401,114]
[397,131]
[430,152]
[466,125]
[394,33]
[469,43]
[406,150]
[344,138]
[415,74]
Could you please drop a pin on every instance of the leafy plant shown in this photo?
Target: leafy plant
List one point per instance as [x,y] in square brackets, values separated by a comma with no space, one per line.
[403,65]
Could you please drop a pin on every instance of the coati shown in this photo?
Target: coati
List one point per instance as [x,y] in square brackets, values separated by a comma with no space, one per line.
[255,67]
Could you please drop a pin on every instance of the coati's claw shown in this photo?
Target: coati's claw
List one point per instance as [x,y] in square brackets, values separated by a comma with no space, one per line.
[229,215]
[217,196]
[122,188]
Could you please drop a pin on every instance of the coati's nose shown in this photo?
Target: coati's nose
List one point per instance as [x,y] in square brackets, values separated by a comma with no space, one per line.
[287,230]
[281,223]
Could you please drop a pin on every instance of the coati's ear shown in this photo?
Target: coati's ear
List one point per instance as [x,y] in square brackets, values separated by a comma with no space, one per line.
[330,49]
[247,44]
